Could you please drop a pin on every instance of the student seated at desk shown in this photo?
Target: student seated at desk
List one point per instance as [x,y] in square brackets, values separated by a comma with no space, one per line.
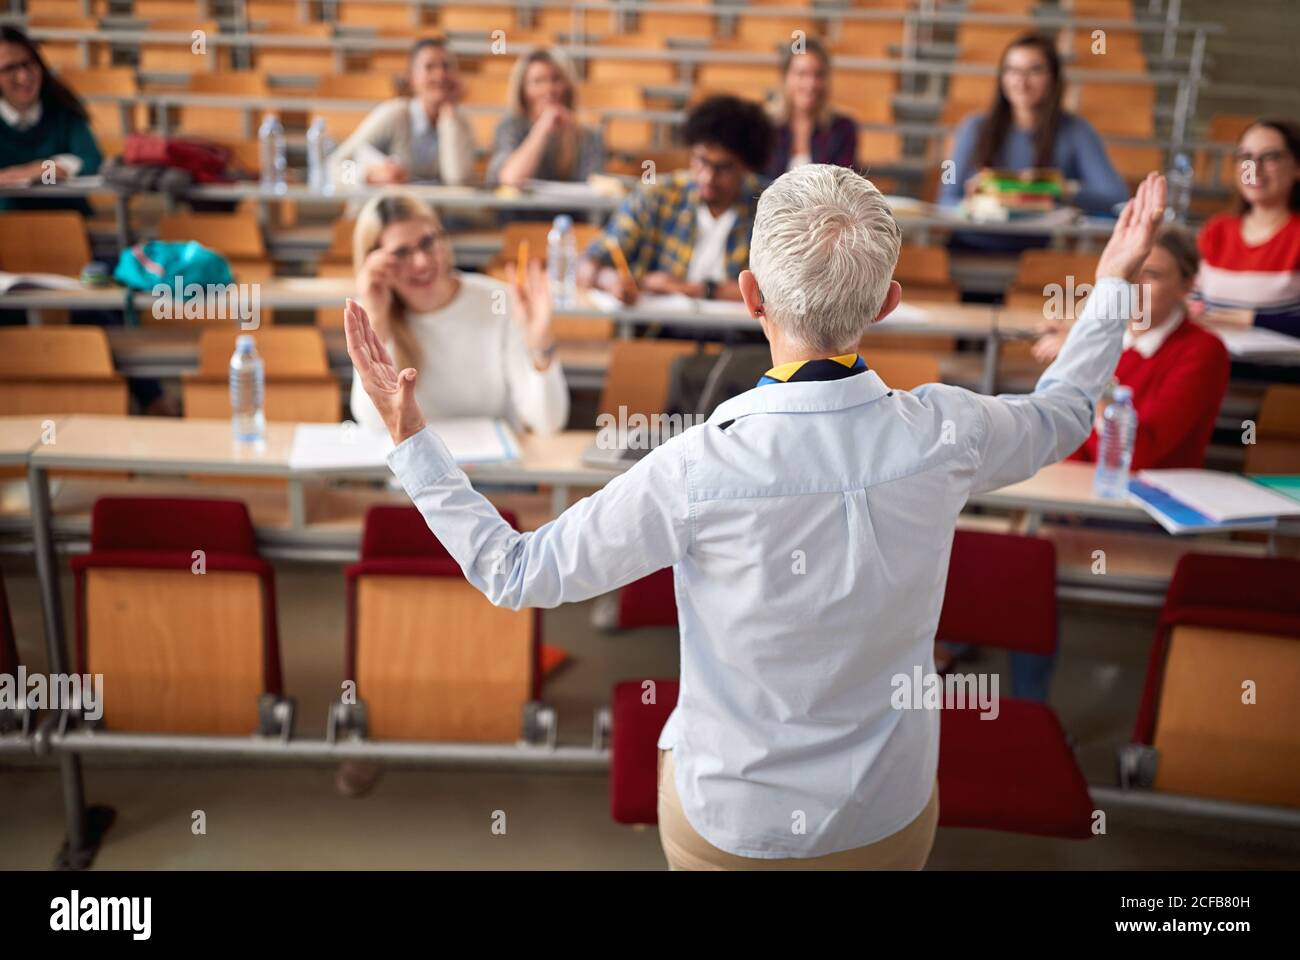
[689,232]
[41,120]
[1250,258]
[1027,127]
[1177,369]
[465,330]
[807,129]
[540,137]
[425,136]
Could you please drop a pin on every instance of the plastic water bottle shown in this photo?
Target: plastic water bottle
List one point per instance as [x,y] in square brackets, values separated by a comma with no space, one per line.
[1180,189]
[317,149]
[247,388]
[270,138]
[1115,453]
[562,261]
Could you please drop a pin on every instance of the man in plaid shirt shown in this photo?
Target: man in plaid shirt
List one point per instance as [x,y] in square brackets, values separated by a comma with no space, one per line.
[688,232]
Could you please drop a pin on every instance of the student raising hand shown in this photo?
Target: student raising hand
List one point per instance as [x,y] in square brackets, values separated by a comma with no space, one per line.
[392,393]
[530,302]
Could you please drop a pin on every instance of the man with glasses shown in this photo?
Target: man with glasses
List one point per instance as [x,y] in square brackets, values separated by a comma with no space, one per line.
[688,232]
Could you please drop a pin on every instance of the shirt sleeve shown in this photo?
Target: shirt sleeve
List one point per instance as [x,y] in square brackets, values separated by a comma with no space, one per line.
[509,134]
[628,227]
[636,524]
[455,148]
[375,131]
[1015,436]
[591,154]
[952,189]
[1100,186]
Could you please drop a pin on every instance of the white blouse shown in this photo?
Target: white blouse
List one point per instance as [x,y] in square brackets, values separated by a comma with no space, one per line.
[475,363]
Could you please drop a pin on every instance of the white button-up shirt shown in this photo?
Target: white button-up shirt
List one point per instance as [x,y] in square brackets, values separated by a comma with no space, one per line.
[808,526]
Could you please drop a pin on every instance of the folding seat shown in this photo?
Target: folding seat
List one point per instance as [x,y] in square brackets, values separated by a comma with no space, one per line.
[1015,772]
[1277,432]
[46,371]
[431,657]
[1220,710]
[176,609]
[299,384]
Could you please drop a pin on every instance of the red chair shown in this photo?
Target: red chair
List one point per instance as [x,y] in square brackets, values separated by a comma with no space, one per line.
[1016,772]
[177,610]
[648,602]
[1225,619]
[414,685]
[634,751]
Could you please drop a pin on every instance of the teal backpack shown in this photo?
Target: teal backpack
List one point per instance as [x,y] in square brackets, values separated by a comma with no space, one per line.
[145,265]
[179,265]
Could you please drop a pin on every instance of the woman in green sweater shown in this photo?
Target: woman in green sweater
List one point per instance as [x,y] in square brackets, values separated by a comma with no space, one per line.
[44,129]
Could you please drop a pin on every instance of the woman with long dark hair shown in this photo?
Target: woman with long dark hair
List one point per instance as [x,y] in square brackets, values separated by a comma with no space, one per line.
[1250,258]
[44,129]
[1026,127]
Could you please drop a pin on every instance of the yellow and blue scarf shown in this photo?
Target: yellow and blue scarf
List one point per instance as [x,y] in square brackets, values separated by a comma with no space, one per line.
[828,368]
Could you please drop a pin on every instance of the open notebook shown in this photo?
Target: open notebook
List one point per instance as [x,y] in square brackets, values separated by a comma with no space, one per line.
[346,446]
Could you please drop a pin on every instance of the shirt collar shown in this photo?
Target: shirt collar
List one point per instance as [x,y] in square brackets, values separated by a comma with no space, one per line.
[811,396]
[1152,340]
[20,119]
[824,368]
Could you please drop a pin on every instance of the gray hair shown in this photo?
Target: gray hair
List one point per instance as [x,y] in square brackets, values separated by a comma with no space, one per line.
[824,248]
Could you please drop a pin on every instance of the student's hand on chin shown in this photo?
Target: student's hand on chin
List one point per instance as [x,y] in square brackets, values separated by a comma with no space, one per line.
[392,393]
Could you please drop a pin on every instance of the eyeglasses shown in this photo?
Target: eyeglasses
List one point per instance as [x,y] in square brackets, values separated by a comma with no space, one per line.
[426,245]
[725,168]
[13,68]
[1270,158]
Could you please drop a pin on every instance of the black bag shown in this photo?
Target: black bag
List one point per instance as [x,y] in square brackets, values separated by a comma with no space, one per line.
[129,178]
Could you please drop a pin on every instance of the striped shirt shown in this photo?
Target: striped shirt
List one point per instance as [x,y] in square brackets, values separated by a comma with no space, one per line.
[655,227]
[1264,278]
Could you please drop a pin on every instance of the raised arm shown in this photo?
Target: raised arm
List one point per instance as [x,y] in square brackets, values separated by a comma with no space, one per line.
[1017,435]
[638,523]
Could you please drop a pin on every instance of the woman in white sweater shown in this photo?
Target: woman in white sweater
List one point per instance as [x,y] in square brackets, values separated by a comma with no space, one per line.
[459,329]
[422,137]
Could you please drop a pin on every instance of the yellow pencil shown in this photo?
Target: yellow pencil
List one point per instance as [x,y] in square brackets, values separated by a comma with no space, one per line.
[522,271]
[620,261]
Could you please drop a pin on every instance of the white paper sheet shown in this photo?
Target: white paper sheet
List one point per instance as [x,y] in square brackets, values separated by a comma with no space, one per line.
[345,446]
[1254,341]
[1221,496]
[37,281]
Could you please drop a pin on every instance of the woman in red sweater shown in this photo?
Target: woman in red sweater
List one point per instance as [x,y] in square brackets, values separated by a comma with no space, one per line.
[1250,258]
[1178,370]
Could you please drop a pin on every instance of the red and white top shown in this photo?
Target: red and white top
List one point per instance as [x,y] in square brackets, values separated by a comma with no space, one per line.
[1264,278]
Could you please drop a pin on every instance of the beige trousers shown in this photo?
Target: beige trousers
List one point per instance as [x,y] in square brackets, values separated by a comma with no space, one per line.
[908,849]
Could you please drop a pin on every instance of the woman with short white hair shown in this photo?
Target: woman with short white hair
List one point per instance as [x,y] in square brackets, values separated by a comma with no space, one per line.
[808,523]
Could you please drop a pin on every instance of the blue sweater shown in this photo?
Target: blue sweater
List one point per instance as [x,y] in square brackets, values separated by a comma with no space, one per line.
[1078,153]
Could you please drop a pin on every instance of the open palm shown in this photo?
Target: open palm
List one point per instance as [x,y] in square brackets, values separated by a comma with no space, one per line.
[1135,231]
[392,393]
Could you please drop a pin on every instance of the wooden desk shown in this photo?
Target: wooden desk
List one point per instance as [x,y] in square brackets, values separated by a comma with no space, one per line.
[20,435]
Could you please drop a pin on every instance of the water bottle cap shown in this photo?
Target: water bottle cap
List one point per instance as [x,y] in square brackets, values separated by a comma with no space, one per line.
[1123,394]
[563,222]
[245,343]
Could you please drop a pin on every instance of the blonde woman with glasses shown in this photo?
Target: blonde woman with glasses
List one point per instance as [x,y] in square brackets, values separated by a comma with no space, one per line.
[540,137]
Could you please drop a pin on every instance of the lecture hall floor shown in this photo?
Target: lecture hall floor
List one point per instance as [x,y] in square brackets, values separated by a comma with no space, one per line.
[261,817]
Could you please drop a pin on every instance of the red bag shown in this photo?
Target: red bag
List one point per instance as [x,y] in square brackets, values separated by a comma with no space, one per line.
[205,161]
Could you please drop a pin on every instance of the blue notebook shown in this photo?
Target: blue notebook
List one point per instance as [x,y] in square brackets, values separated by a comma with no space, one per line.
[1177,517]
